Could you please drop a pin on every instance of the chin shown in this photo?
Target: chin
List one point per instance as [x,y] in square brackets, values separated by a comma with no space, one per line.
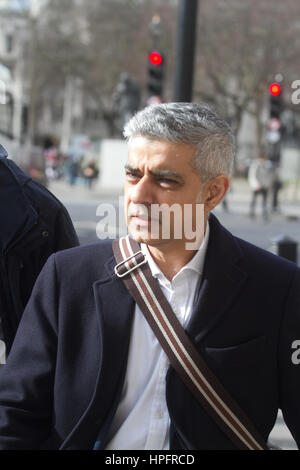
[141,236]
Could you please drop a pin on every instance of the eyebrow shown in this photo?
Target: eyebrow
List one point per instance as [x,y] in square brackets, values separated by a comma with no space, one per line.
[165,173]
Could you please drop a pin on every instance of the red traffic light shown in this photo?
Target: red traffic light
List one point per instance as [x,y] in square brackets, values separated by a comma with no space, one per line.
[155,58]
[275,89]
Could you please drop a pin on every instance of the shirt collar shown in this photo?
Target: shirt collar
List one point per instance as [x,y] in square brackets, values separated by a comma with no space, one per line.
[195,264]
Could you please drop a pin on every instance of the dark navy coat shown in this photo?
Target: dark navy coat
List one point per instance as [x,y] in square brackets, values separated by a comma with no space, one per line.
[33,225]
[64,376]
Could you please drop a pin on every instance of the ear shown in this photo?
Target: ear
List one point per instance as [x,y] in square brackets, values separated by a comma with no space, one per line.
[214,191]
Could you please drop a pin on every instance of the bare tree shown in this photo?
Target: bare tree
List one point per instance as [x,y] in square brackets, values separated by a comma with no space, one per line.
[54,50]
[242,46]
[120,43]
[93,41]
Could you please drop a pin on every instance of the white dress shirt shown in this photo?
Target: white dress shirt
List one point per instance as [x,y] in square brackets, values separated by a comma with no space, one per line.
[142,420]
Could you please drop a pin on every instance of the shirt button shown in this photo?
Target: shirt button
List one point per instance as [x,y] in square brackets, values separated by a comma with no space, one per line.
[159,415]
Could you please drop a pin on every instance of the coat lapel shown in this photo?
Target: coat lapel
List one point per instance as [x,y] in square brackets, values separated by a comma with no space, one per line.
[221,283]
[114,304]
[115,309]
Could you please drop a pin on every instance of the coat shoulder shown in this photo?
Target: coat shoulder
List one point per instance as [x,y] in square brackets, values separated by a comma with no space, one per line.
[265,265]
[259,263]
[264,256]
[85,262]
[103,247]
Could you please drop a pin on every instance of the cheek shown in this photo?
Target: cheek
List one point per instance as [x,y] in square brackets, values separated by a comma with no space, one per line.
[126,200]
[127,192]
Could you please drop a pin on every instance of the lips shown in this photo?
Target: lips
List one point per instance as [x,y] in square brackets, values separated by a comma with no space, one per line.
[140,215]
[141,220]
[145,222]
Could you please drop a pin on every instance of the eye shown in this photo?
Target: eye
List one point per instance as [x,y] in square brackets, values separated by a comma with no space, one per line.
[130,176]
[167,182]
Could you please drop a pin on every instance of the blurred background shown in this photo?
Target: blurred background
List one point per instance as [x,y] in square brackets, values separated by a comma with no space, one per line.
[73,71]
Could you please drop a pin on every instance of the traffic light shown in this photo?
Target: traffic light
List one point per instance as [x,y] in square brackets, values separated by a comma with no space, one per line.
[156,63]
[275,100]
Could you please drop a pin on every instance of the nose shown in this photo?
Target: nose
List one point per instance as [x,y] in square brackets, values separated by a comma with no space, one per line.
[142,192]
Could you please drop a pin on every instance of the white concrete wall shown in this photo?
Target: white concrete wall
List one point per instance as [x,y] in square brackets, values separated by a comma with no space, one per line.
[290,164]
[113,156]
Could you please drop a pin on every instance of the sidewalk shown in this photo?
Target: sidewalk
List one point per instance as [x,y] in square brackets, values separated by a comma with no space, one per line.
[79,192]
[289,202]
[239,196]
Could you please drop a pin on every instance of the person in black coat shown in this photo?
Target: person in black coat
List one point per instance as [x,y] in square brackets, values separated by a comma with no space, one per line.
[33,225]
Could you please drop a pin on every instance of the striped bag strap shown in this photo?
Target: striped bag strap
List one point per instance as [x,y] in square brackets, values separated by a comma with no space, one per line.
[133,269]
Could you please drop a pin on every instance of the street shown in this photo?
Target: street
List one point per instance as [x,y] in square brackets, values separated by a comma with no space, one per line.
[82,206]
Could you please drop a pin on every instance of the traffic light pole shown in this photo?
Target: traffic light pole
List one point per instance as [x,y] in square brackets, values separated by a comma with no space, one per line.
[185,51]
[274,125]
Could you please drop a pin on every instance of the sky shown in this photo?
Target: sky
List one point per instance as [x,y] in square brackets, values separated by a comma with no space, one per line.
[15,4]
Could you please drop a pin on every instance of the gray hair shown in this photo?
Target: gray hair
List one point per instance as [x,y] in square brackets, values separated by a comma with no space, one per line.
[191,123]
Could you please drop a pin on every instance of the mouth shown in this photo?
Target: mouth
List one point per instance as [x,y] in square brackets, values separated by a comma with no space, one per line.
[141,220]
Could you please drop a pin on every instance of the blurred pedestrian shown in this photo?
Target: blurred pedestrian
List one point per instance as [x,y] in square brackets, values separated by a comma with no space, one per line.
[73,167]
[260,178]
[90,172]
[276,187]
[225,203]
[52,162]
[34,224]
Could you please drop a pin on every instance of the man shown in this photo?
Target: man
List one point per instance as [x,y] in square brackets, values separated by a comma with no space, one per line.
[260,179]
[34,224]
[93,375]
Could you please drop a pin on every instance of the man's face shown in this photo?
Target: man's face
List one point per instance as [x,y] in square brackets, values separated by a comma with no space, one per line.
[160,172]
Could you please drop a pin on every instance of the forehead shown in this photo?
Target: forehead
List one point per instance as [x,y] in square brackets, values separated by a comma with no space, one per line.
[154,152]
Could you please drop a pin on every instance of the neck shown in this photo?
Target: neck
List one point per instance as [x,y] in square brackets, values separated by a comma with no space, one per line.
[170,261]
[171,257]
